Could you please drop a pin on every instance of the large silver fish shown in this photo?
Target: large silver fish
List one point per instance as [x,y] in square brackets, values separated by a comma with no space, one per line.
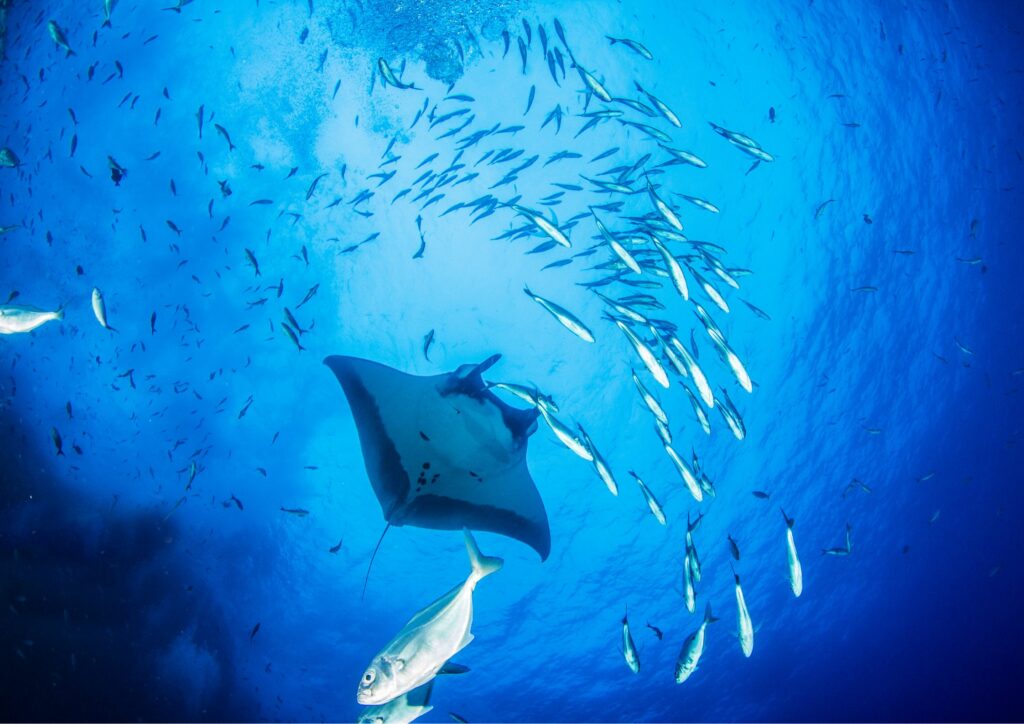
[431,637]
[17,319]
[693,648]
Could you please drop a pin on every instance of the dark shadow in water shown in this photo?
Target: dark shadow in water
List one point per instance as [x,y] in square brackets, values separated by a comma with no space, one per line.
[98,621]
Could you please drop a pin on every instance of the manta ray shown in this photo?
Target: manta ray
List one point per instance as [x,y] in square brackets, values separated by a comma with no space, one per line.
[443,451]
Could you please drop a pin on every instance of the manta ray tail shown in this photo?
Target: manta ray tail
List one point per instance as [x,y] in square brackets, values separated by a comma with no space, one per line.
[375,549]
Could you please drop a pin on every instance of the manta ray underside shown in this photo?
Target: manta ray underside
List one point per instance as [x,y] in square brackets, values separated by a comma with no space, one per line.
[443,451]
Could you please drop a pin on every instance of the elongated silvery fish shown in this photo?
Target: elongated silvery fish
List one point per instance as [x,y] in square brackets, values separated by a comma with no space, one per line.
[652,404]
[600,465]
[689,594]
[675,271]
[745,627]
[629,648]
[731,416]
[617,247]
[633,45]
[645,354]
[686,157]
[57,33]
[16,319]
[693,648]
[796,573]
[565,435]
[552,231]
[698,411]
[389,76]
[687,475]
[99,308]
[664,209]
[431,637]
[593,85]
[530,395]
[566,318]
[652,502]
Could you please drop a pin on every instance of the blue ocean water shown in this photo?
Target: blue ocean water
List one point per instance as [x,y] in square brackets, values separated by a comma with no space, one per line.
[150,571]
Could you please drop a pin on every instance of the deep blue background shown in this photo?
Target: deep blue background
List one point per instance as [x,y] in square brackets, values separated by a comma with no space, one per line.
[114,611]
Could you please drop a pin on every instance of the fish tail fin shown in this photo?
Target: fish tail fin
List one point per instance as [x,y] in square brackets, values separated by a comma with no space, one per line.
[59,314]
[483,566]
[61,453]
[613,40]
[708,616]
[789,521]
[115,331]
[106,24]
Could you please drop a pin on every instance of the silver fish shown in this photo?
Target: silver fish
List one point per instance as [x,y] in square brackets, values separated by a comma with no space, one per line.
[431,637]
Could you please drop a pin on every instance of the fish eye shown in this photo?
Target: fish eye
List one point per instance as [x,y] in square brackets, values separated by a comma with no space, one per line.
[369,676]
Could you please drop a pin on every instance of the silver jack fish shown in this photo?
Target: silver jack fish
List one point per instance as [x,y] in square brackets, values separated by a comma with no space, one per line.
[431,637]
[693,648]
[15,319]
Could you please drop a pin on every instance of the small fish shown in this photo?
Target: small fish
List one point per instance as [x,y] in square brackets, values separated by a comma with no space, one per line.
[734,547]
[552,231]
[693,648]
[181,501]
[796,575]
[529,101]
[664,209]
[744,625]
[292,336]
[58,441]
[657,631]
[336,548]
[844,550]
[298,512]
[629,648]
[633,45]
[566,318]
[652,502]
[200,114]
[821,208]
[99,309]
[251,258]
[223,132]
[59,37]
[389,76]
[255,630]
[761,494]
[312,187]
[193,470]
[962,347]
[309,295]
[428,339]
